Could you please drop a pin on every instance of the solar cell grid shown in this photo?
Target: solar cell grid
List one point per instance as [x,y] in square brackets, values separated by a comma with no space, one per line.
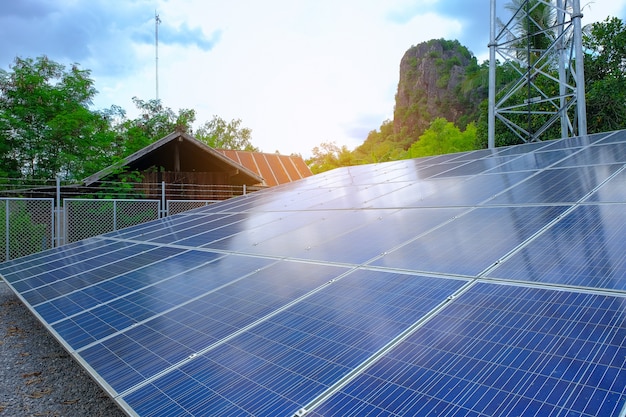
[577,142]
[442,159]
[475,155]
[236,292]
[439,169]
[601,154]
[471,243]
[27,267]
[613,191]
[603,138]
[166,226]
[586,248]
[532,162]
[302,200]
[526,148]
[292,233]
[329,333]
[71,269]
[360,197]
[470,192]
[469,168]
[563,185]
[391,228]
[464,361]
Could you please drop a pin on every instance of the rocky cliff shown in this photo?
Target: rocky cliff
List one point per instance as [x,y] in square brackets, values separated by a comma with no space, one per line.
[433,83]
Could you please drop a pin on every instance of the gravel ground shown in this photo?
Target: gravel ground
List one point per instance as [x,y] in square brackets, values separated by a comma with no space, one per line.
[37,376]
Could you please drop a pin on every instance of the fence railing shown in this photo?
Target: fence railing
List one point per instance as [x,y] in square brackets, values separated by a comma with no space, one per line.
[121,190]
[31,223]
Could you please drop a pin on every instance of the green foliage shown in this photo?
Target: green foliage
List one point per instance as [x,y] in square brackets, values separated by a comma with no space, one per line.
[154,122]
[219,134]
[25,235]
[443,137]
[530,35]
[382,145]
[124,185]
[46,126]
[329,156]
[605,75]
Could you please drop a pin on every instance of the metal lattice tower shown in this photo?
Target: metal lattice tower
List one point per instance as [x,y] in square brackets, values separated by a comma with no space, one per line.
[542,45]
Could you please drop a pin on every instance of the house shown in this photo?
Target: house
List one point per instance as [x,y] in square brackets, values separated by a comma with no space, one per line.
[181,161]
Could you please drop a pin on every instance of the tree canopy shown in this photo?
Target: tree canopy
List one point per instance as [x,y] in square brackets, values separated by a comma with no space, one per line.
[605,76]
[48,129]
[46,126]
[220,134]
[443,137]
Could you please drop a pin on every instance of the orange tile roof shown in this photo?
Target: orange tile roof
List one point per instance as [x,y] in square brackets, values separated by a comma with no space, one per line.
[275,169]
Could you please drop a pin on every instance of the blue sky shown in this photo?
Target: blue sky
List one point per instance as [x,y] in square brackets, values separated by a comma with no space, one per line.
[298,73]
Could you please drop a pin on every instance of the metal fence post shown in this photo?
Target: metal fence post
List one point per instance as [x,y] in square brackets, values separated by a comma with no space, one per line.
[163,207]
[244,189]
[6,234]
[114,215]
[57,213]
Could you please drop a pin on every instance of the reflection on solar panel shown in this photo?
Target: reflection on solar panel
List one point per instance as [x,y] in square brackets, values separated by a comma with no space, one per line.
[487,283]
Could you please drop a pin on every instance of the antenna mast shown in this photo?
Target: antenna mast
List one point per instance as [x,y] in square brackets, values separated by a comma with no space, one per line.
[157,20]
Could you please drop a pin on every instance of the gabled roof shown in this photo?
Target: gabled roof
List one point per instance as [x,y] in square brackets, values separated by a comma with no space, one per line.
[276,169]
[190,155]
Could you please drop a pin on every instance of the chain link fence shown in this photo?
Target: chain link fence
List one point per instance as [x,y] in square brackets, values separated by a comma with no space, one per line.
[86,218]
[27,226]
[179,206]
[38,215]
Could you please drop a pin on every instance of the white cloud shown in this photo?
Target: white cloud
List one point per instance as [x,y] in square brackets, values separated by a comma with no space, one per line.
[297,73]
[297,76]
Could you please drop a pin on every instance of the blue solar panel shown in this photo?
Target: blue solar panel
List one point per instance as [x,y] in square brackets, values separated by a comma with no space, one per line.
[612,191]
[39,263]
[500,350]
[329,333]
[601,154]
[170,322]
[484,283]
[586,248]
[470,243]
[565,185]
[531,162]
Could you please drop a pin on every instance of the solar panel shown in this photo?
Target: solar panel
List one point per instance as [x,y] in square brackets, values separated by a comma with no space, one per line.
[490,282]
[499,350]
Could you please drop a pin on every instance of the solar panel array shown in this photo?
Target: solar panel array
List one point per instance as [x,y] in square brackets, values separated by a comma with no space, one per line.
[487,283]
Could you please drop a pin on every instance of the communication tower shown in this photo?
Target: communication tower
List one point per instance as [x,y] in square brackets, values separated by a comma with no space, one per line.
[541,46]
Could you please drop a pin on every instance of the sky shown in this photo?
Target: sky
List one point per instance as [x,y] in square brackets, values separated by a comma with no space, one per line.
[296,72]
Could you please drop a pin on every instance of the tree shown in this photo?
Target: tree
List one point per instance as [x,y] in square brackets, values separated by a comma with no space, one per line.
[443,137]
[329,156]
[605,79]
[219,134]
[46,126]
[380,146]
[533,18]
[154,122]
